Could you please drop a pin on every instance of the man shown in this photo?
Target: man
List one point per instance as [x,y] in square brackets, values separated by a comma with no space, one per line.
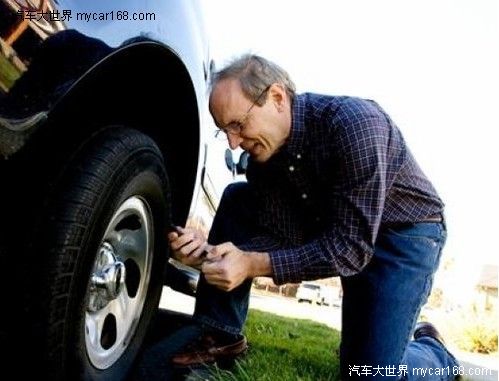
[332,191]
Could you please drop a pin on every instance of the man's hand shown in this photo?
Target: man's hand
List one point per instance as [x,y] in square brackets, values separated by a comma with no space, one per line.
[188,245]
[226,267]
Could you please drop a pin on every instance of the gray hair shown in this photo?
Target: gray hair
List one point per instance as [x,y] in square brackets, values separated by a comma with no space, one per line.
[255,74]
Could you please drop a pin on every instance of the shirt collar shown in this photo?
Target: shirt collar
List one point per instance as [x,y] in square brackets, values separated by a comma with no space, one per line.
[296,139]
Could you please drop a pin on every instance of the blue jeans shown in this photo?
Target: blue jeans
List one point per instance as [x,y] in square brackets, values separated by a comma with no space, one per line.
[380,304]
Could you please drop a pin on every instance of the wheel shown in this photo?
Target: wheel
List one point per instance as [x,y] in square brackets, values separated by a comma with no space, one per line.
[104,257]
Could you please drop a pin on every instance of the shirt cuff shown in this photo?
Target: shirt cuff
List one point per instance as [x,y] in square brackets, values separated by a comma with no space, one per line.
[287,265]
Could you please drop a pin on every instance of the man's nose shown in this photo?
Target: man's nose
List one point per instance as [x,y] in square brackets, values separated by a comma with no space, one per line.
[234,140]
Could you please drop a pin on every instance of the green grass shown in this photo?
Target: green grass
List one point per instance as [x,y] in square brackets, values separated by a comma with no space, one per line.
[285,349]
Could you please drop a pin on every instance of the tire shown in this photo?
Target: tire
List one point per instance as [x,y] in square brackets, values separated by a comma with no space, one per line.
[104,257]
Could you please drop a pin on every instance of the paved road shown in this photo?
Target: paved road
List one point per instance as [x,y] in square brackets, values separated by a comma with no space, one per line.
[177,308]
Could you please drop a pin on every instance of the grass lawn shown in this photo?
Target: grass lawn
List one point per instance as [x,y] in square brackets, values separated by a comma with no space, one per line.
[286,349]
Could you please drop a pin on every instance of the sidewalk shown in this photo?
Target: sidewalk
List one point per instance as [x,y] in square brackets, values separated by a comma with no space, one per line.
[483,367]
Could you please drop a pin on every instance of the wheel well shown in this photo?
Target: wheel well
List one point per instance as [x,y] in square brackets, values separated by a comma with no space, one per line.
[144,86]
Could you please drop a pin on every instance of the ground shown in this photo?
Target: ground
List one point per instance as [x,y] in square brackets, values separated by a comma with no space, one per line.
[177,308]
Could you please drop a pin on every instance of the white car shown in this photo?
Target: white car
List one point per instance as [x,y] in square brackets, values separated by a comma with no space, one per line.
[318,293]
[309,292]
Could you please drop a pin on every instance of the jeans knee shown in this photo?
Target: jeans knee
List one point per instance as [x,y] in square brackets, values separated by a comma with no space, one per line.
[236,194]
[236,189]
[234,220]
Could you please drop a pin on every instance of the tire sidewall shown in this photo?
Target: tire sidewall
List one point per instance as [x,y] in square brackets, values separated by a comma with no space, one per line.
[136,178]
[113,165]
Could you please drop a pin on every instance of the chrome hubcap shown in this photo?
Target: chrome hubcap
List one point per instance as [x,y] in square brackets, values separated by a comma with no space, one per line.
[118,283]
[107,280]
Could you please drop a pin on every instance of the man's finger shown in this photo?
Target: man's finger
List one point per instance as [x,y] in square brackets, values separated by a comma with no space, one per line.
[199,252]
[189,248]
[212,257]
[221,283]
[210,268]
[181,241]
[172,236]
[215,279]
[222,249]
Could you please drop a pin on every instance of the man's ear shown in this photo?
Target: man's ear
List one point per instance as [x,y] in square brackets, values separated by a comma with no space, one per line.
[278,95]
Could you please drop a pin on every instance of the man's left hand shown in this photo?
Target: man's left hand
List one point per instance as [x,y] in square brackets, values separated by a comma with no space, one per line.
[226,266]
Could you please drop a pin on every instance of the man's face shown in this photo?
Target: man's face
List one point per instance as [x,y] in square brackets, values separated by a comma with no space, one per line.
[263,130]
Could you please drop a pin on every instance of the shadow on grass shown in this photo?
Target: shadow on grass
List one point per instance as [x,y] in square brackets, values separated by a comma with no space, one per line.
[169,332]
[279,349]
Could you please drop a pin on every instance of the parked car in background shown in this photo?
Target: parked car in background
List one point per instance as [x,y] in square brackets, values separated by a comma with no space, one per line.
[309,292]
[103,145]
[318,293]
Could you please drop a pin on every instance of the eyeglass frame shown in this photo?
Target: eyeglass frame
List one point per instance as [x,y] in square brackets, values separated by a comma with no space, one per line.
[235,128]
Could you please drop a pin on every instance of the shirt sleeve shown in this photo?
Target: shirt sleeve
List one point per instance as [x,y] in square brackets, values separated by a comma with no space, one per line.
[261,244]
[355,199]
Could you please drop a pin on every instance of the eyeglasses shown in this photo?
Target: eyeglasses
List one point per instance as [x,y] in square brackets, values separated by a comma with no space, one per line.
[235,128]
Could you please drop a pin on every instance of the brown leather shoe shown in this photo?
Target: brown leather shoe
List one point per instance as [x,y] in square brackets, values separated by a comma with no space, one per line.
[424,328]
[206,350]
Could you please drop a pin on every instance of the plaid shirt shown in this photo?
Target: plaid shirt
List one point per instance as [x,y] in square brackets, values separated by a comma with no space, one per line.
[344,172]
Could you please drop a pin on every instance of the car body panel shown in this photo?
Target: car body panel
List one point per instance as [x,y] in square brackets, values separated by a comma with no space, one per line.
[164,20]
[116,57]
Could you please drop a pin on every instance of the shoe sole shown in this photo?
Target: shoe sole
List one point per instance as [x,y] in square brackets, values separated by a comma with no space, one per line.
[223,362]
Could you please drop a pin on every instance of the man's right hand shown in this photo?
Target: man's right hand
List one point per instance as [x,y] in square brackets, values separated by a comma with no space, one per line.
[188,246]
